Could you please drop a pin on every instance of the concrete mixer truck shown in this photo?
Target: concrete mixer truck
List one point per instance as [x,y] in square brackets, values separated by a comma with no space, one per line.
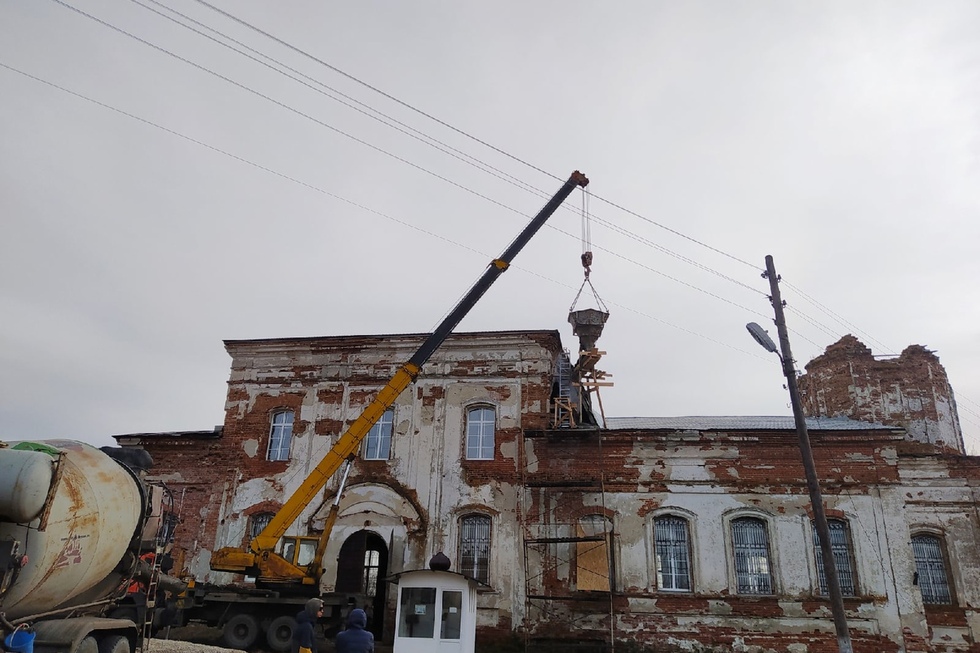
[80,532]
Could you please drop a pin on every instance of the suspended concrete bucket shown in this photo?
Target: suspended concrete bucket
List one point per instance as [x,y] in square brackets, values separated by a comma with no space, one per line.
[587,325]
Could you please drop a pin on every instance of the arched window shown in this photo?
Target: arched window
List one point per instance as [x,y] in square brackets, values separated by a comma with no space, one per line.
[840,544]
[258,522]
[474,547]
[673,547]
[480,424]
[930,569]
[280,435]
[750,545]
[377,444]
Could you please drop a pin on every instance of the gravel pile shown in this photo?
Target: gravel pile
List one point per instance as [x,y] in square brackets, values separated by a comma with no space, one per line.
[178,646]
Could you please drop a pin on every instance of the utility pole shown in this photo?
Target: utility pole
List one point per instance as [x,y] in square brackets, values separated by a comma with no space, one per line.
[813,483]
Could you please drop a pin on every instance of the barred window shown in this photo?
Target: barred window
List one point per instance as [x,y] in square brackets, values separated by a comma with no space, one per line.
[930,568]
[377,444]
[750,544]
[480,423]
[840,544]
[474,547]
[280,435]
[670,534]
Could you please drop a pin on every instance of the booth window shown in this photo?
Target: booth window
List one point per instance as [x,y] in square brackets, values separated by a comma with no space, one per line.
[418,612]
[452,614]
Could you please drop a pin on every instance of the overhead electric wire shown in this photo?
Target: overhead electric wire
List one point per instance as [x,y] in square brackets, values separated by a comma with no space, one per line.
[286,106]
[353,203]
[356,139]
[508,155]
[348,101]
[479,162]
[401,159]
[361,82]
[427,139]
[452,127]
[433,142]
[840,319]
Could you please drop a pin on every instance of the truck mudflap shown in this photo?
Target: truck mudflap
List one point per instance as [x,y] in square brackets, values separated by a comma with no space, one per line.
[85,635]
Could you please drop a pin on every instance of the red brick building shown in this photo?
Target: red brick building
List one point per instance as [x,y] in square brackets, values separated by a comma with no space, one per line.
[692,532]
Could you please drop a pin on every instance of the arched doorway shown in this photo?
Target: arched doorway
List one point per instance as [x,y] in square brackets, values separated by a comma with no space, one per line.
[361,569]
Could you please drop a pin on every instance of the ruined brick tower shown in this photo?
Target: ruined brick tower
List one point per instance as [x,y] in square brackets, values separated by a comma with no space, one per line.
[911,391]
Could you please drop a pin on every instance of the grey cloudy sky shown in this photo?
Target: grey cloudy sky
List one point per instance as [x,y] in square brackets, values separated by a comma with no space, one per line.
[199,195]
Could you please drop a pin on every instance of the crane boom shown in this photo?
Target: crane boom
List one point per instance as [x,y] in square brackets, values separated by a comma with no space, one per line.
[260,559]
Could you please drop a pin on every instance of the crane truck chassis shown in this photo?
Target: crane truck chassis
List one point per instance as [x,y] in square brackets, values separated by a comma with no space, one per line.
[284,581]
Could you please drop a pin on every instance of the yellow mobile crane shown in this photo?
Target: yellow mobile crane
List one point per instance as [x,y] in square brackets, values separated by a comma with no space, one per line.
[283,568]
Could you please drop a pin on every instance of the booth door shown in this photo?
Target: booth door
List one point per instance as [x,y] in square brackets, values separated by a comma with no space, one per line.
[361,566]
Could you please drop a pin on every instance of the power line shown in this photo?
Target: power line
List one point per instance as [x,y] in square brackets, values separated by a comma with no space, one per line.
[365,143]
[347,100]
[403,160]
[456,129]
[374,88]
[421,136]
[519,160]
[366,208]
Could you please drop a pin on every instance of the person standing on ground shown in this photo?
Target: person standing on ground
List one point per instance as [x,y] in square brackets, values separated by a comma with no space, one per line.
[355,639]
[303,639]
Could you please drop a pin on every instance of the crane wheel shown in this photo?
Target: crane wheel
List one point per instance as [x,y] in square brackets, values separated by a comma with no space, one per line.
[241,631]
[279,634]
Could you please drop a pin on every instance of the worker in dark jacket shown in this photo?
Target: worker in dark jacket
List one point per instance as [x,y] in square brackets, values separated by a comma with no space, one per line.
[303,633]
[355,639]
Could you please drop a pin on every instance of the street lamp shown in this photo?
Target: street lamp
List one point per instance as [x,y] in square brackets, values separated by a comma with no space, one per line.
[816,499]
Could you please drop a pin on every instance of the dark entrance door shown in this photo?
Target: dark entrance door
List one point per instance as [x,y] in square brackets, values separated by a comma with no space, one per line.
[361,568]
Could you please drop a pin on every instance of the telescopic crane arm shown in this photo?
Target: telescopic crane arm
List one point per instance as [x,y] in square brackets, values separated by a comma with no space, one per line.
[261,560]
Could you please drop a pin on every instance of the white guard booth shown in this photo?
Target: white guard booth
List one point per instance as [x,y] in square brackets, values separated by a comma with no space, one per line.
[436,612]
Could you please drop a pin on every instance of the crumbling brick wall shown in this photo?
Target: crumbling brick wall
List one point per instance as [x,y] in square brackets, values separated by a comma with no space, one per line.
[911,391]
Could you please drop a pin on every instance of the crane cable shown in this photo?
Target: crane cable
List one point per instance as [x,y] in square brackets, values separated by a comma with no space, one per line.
[587,252]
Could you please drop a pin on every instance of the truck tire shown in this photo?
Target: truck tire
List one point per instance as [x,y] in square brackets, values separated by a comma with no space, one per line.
[114,644]
[279,634]
[88,645]
[240,631]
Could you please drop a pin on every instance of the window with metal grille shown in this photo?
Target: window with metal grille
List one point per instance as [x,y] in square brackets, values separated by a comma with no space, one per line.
[670,535]
[474,547]
[930,567]
[480,424]
[840,545]
[750,544]
[258,522]
[377,444]
[280,435]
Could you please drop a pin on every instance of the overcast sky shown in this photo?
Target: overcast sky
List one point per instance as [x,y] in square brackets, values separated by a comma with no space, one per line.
[161,192]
